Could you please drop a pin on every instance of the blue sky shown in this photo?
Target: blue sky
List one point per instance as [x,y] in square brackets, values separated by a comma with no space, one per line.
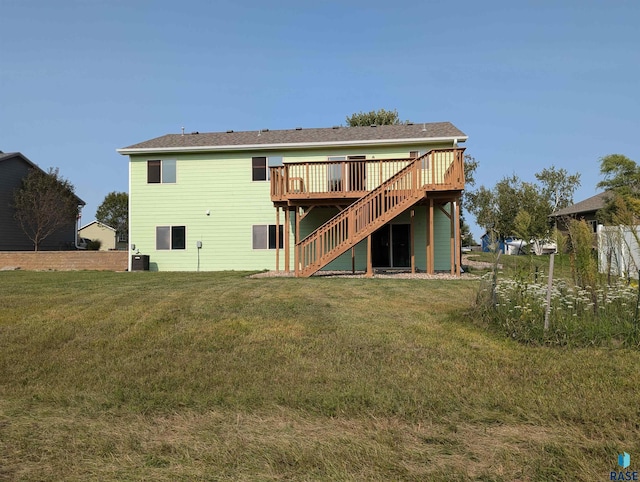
[533,84]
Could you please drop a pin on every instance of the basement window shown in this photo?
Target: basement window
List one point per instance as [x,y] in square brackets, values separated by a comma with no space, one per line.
[264,236]
[171,237]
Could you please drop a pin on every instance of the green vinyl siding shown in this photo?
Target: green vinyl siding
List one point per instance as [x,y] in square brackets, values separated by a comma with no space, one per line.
[379,152]
[220,183]
[442,236]
[442,239]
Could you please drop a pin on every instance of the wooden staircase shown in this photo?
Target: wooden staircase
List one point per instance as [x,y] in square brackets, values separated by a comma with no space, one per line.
[435,170]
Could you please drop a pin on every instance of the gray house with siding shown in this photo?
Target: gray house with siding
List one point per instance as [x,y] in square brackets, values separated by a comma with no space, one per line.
[14,166]
[585,210]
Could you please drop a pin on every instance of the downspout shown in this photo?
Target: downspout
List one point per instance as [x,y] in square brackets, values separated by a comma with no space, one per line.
[78,226]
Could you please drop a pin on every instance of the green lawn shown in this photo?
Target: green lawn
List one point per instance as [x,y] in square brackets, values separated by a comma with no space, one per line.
[213,376]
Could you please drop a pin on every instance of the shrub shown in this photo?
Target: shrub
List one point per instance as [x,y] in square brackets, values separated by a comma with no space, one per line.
[94,245]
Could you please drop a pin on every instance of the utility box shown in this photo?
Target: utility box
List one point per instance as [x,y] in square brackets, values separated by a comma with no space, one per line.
[140,262]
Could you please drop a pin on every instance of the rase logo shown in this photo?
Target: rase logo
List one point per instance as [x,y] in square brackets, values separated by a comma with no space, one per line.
[624,461]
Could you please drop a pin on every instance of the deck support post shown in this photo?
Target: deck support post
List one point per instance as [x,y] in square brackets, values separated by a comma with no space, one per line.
[353,260]
[369,263]
[411,235]
[426,238]
[452,244]
[296,253]
[430,239]
[277,239]
[458,237]
[287,235]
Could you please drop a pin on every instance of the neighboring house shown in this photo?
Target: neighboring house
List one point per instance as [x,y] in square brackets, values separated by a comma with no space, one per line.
[301,200]
[618,247]
[14,166]
[584,210]
[97,231]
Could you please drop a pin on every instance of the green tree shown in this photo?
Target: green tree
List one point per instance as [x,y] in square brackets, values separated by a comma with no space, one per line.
[622,181]
[114,211]
[515,207]
[377,117]
[558,186]
[622,205]
[466,234]
[44,203]
[482,203]
[470,166]
[496,209]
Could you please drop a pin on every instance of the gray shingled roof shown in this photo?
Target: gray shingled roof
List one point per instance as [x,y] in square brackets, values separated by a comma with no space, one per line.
[5,156]
[591,204]
[9,155]
[437,130]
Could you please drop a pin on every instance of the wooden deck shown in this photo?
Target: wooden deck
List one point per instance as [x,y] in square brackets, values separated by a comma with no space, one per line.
[380,191]
[310,183]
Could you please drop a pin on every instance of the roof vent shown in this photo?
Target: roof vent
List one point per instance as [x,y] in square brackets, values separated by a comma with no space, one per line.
[230,131]
[298,128]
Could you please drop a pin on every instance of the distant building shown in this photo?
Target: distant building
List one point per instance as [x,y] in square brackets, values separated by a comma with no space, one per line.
[14,166]
[584,210]
[106,235]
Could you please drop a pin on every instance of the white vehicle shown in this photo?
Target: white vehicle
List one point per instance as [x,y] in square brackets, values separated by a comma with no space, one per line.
[82,243]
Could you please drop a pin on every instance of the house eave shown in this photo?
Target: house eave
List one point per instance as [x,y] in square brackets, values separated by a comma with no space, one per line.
[288,146]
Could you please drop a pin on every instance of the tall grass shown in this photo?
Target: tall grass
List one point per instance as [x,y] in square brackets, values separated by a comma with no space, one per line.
[213,376]
[581,317]
[585,308]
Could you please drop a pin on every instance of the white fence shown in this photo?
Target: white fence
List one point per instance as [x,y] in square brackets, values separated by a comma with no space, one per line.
[619,250]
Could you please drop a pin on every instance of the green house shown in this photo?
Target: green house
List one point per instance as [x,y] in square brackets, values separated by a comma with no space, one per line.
[299,200]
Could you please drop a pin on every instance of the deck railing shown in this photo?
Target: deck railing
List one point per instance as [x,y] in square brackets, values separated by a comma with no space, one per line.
[377,207]
[354,178]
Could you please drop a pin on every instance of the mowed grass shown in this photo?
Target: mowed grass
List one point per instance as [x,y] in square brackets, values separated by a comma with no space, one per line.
[214,376]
